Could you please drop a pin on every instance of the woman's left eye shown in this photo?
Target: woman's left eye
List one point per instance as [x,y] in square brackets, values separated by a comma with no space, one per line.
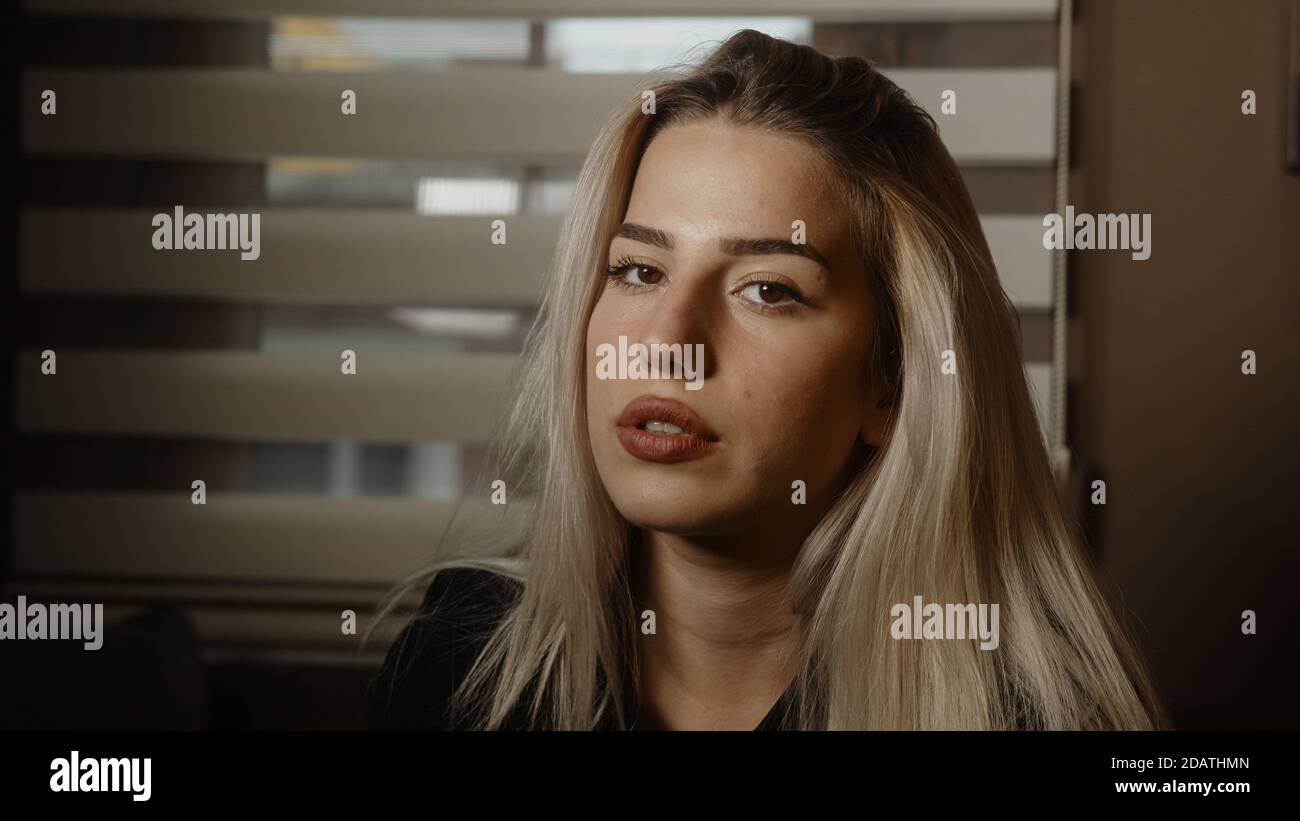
[770,295]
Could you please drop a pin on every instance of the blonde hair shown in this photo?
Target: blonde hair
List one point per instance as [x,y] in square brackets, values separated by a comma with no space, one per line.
[957,504]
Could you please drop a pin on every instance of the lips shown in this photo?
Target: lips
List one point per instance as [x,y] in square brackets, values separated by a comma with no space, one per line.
[675,432]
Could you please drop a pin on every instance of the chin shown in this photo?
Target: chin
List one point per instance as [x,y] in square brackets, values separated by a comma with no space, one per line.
[679,522]
[694,497]
[685,506]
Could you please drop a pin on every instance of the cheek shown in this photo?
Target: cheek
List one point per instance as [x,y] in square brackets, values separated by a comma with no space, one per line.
[803,403]
[601,329]
[604,327]
[602,396]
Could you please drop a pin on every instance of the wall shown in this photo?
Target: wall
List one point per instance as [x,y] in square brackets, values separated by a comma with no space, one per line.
[1200,460]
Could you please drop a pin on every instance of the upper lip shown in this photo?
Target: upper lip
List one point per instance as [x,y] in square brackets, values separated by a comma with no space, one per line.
[649,408]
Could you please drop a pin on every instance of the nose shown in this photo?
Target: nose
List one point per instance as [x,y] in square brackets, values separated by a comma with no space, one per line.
[681,317]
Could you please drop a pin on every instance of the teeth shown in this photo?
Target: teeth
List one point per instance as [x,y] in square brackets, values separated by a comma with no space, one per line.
[663,427]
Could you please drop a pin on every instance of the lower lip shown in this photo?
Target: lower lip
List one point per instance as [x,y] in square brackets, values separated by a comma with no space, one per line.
[663,447]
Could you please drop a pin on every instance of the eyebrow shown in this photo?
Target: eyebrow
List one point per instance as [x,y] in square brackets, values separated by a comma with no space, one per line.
[734,246]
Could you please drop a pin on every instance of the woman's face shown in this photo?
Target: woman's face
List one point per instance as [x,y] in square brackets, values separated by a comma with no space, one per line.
[784,392]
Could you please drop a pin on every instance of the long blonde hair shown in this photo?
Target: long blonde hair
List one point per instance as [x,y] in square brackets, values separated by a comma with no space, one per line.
[957,504]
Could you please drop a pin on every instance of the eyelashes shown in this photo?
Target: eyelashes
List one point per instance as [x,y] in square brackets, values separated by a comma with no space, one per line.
[614,273]
[764,284]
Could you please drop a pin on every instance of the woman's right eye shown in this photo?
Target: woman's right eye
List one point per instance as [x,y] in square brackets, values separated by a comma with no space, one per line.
[629,274]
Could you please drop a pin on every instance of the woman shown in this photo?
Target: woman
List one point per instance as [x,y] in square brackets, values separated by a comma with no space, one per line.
[732,551]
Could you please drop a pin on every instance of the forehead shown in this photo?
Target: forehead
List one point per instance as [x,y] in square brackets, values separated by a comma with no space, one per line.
[712,178]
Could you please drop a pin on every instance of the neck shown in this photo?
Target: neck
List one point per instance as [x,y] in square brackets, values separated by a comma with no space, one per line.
[720,656]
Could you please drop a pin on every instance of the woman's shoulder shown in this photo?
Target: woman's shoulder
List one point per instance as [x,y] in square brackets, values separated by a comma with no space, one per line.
[437,647]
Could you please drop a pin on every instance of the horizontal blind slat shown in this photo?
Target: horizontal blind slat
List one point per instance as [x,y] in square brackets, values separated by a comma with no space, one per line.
[256,397]
[286,629]
[63,587]
[263,397]
[371,257]
[506,114]
[233,538]
[826,10]
[307,256]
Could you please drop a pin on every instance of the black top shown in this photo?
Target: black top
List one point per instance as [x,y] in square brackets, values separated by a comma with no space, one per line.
[432,655]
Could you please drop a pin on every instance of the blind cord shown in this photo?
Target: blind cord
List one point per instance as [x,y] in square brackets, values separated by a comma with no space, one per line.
[1060,451]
